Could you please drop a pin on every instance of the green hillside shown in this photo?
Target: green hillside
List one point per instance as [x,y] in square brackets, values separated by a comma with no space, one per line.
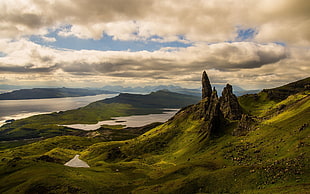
[184,155]
[47,125]
[159,99]
[282,92]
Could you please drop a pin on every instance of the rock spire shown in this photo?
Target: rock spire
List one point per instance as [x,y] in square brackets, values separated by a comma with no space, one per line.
[206,86]
[229,104]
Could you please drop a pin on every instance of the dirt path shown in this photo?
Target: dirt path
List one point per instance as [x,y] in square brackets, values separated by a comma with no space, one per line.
[76,162]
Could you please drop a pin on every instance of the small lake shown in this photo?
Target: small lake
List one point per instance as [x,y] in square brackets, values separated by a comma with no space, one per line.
[18,109]
[129,121]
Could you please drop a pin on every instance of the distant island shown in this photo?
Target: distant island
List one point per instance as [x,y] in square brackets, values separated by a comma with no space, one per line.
[42,93]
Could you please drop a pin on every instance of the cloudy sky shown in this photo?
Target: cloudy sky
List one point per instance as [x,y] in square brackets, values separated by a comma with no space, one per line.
[81,43]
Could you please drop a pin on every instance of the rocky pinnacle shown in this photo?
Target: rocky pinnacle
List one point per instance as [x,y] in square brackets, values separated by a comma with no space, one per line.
[229,104]
[206,86]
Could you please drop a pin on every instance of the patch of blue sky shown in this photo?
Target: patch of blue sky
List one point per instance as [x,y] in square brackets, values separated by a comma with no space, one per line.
[2,54]
[107,43]
[280,43]
[245,33]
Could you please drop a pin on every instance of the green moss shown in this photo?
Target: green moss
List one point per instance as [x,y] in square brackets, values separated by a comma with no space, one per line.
[171,158]
[256,104]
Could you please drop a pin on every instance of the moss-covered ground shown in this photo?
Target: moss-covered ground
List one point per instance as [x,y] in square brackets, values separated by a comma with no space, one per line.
[173,157]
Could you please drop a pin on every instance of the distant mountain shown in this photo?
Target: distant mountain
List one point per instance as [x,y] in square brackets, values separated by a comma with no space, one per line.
[4,88]
[41,93]
[195,91]
[148,89]
[159,99]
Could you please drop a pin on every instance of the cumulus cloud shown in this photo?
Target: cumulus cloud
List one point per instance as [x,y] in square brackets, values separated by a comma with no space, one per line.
[222,56]
[48,39]
[211,21]
[231,62]
[211,27]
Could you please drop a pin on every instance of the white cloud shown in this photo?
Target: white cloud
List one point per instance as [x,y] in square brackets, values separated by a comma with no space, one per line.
[48,39]
[212,21]
[239,62]
[209,25]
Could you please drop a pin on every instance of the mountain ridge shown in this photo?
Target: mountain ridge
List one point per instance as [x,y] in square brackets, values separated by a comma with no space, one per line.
[158,99]
[42,93]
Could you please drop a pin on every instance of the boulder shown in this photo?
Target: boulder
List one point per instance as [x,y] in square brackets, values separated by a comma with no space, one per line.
[244,126]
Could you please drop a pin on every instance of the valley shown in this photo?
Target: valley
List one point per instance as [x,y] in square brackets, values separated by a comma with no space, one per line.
[257,143]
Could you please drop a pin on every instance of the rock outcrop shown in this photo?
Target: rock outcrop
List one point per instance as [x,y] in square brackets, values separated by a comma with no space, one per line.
[244,126]
[214,110]
[206,86]
[209,109]
[229,104]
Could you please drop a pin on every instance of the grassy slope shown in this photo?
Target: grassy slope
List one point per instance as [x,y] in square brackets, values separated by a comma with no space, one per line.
[282,92]
[274,158]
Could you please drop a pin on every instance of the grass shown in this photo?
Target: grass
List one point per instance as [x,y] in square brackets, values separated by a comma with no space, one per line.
[256,104]
[171,158]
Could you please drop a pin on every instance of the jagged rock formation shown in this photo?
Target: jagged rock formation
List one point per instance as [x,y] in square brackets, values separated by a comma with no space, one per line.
[206,86]
[214,110]
[229,104]
[209,109]
[214,113]
[244,126]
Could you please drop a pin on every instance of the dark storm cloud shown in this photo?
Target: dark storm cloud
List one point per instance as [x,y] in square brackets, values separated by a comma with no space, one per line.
[29,68]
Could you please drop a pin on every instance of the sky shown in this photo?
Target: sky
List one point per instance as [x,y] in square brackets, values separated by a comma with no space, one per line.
[253,44]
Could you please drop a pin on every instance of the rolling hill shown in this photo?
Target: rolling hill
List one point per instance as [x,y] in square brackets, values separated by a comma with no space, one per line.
[253,144]
[154,100]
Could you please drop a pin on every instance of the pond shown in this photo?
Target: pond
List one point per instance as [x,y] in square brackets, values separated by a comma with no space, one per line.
[129,121]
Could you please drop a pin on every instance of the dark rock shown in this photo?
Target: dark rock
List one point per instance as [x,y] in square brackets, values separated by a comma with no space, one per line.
[215,114]
[210,112]
[282,92]
[13,162]
[244,126]
[206,86]
[229,104]
[46,158]
[304,126]
[210,106]
[10,120]
[115,153]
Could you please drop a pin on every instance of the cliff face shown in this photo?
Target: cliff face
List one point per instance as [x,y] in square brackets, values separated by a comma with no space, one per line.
[229,104]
